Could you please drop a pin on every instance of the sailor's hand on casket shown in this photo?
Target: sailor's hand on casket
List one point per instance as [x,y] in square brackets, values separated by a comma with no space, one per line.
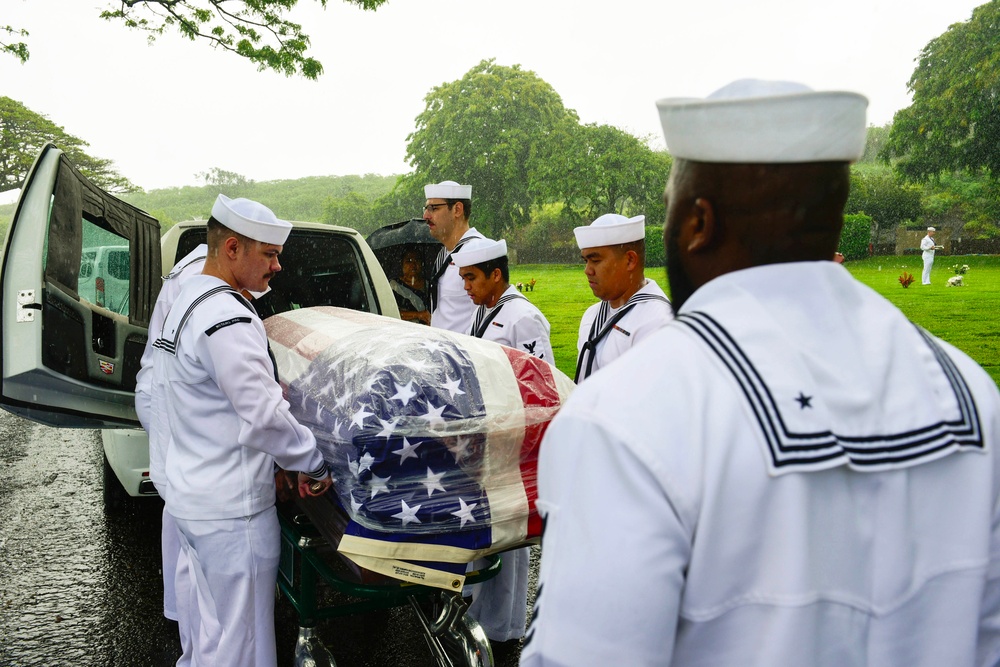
[313,487]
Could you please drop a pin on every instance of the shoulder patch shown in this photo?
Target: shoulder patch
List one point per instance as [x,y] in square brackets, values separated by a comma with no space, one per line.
[225,323]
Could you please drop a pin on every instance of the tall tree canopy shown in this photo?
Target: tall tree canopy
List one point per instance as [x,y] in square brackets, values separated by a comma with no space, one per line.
[257,30]
[954,121]
[495,128]
[604,169]
[23,133]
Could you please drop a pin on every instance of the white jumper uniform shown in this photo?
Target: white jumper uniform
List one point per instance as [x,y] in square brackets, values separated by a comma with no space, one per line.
[651,311]
[213,390]
[810,480]
[176,570]
[927,245]
[515,322]
[454,309]
[501,603]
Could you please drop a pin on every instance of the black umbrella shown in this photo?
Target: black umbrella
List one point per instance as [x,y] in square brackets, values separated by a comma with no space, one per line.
[389,243]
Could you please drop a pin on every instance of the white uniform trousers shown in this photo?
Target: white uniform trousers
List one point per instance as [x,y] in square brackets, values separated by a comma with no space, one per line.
[501,603]
[179,603]
[234,563]
[928,263]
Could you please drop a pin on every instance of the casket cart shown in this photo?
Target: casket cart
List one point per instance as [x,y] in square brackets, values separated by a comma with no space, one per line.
[432,440]
[309,565]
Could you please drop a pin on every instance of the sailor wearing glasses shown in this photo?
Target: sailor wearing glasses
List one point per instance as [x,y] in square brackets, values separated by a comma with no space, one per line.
[447,211]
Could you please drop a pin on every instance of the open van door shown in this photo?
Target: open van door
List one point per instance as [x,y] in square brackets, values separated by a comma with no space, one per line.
[73,322]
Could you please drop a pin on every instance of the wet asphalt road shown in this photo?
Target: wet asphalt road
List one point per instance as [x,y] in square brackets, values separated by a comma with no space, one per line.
[80,584]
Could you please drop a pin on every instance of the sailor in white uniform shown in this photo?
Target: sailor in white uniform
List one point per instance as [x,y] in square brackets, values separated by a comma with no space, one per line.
[447,212]
[502,313]
[505,316]
[631,307]
[175,564]
[810,479]
[213,390]
[927,248]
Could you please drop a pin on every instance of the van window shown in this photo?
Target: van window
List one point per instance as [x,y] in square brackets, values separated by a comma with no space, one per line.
[104,269]
[318,268]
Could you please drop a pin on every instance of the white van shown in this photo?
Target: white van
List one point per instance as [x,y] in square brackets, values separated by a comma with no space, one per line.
[71,345]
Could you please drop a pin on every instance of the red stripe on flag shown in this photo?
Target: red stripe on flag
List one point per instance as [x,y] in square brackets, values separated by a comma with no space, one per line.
[538,390]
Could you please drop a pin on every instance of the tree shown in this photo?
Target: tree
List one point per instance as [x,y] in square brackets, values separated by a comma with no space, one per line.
[233,184]
[253,29]
[604,169]
[954,121]
[495,128]
[23,133]
[17,49]
[352,210]
[877,192]
[875,141]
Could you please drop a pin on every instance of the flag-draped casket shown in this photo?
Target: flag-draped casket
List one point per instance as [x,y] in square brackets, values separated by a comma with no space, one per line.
[432,437]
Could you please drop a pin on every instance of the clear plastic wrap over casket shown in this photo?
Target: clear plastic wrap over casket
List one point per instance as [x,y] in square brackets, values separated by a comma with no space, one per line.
[426,431]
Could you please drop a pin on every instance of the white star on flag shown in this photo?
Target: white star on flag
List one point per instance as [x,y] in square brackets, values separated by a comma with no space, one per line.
[365,463]
[458,446]
[407,451]
[452,386]
[407,514]
[359,417]
[380,484]
[355,505]
[433,482]
[340,402]
[353,466]
[404,393]
[465,513]
[433,416]
[387,427]
[417,365]
[432,346]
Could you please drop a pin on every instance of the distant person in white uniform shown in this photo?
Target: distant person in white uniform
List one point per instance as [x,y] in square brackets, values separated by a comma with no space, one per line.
[447,212]
[928,247]
[175,564]
[505,316]
[631,307]
[808,478]
[213,389]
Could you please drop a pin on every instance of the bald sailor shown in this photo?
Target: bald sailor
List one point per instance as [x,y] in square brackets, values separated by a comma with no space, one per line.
[447,212]
[810,478]
[213,390]
[505,316]
[631,307]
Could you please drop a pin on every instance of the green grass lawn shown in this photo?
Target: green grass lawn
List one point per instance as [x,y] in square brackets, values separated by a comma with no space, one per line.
[967,317]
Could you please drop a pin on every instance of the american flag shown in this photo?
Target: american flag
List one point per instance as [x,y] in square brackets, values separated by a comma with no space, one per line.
[432,437]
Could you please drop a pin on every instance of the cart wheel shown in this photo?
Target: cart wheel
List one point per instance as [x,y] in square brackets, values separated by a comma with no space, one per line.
[310,651]
[467,645]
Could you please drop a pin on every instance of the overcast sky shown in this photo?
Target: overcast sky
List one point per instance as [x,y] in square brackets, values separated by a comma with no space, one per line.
[164,113]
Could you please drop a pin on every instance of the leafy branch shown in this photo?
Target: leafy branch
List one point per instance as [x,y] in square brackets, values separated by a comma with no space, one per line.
[257,30]
[17,49]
